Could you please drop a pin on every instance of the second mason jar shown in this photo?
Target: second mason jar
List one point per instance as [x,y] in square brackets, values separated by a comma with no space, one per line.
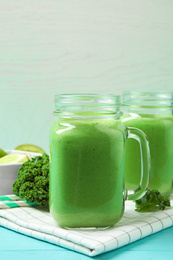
[87,161]
[152,113]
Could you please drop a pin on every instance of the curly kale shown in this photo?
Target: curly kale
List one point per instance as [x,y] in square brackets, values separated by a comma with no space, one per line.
[151,200]
[32,183]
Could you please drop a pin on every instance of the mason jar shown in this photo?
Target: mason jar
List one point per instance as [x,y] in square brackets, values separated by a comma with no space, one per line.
[152,112]
[87,161]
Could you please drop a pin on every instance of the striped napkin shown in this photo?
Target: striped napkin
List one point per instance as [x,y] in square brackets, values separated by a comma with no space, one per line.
[13,201]
[37,222]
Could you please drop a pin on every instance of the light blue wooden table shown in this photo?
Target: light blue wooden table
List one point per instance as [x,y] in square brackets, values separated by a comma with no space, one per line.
[16,246]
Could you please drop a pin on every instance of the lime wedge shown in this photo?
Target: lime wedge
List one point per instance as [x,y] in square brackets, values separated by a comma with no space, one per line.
[14,158]
[2,153]
[29,148]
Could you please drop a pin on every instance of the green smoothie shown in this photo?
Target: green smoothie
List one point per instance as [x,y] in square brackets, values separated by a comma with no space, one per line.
[87,172]
[159,130]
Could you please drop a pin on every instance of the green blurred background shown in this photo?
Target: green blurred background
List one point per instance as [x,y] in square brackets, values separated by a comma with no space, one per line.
[52,47]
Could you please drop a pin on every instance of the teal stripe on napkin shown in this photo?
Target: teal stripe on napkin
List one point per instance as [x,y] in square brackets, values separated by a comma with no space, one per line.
[12,204]
[4,198]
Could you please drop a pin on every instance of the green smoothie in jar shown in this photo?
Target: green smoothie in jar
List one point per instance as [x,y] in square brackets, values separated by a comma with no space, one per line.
[152,113]
[91,166]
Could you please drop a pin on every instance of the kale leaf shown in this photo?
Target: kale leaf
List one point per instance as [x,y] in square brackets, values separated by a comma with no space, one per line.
[151,200]
[32,183]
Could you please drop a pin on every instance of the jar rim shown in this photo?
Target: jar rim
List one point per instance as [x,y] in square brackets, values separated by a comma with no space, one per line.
[151,93]
[69,97]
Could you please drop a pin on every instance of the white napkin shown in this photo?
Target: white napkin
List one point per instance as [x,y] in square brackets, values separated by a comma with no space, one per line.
[37,222]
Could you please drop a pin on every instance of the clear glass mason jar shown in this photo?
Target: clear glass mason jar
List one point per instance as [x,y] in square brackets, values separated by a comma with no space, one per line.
[152,112]
[87,161]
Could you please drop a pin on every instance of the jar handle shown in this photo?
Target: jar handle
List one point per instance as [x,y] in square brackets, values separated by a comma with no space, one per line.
[140,136]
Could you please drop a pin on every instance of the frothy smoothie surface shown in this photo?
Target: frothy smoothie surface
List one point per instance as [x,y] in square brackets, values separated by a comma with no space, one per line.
[87,172]
[159,130]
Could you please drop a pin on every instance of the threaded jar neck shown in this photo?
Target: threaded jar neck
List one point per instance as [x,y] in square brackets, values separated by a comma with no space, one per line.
[147,102]
[87,105]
